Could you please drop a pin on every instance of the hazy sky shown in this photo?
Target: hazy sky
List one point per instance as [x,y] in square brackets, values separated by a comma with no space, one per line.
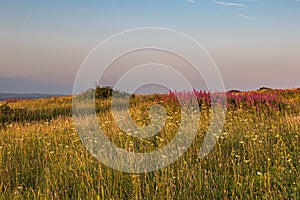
[254,42]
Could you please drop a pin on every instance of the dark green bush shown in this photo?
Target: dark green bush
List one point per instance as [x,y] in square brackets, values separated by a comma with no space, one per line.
[5,113]
[103,92]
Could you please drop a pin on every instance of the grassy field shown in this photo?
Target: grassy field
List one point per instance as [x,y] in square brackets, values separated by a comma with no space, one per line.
[256,157]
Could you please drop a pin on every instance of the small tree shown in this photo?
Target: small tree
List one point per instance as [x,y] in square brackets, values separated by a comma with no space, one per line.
[103,92]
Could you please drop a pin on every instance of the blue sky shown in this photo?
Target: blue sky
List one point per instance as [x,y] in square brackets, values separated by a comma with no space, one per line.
[254,42]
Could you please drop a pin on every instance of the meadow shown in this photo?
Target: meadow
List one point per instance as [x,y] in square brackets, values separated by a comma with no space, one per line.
[256,156]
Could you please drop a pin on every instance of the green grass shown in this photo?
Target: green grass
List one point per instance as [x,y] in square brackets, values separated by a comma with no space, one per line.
[256,157]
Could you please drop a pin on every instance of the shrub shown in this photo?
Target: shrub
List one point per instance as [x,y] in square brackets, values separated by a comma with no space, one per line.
[103,92]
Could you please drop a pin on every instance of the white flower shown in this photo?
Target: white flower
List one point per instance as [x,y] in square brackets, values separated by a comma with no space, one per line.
[259,173]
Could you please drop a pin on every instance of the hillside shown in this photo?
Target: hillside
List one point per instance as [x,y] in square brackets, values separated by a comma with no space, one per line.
[255,157]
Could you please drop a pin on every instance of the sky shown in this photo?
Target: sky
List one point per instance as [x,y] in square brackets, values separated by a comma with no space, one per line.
[254,43]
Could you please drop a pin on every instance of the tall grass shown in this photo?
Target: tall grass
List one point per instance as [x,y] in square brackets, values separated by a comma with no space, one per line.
[257,156]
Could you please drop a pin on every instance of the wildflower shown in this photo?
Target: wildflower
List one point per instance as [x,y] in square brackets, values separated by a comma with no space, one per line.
[259,173]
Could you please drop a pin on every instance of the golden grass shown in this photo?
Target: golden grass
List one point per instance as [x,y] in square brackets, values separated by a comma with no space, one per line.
[256,157]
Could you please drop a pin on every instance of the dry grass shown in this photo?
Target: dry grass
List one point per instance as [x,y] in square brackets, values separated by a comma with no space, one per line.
[256,158]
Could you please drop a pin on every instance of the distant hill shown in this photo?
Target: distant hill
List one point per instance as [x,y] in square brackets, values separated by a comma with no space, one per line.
[5,96]
[25,86]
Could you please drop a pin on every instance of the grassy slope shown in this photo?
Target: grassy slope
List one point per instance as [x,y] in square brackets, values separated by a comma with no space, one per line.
[256,157]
